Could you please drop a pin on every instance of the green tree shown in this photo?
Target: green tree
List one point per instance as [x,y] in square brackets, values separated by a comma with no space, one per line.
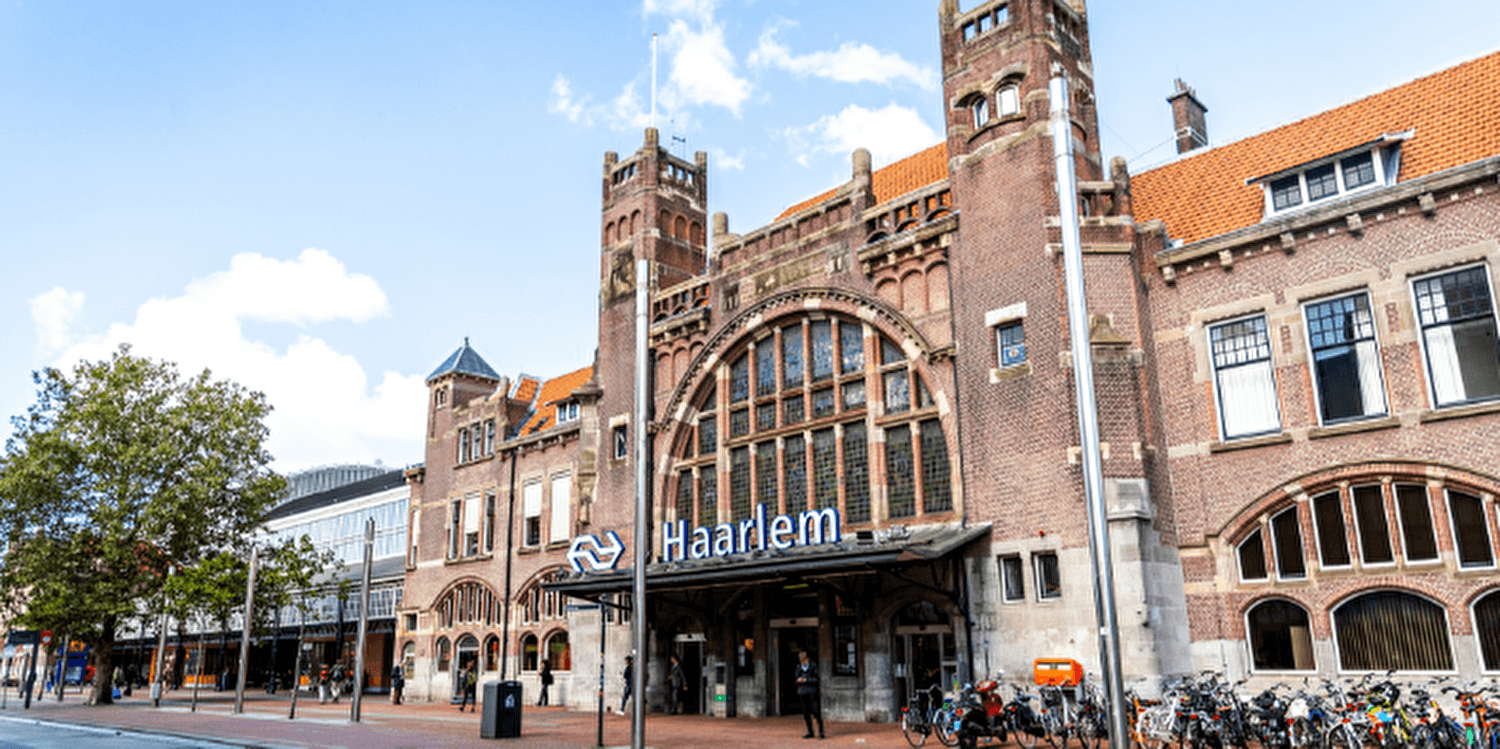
[119,471]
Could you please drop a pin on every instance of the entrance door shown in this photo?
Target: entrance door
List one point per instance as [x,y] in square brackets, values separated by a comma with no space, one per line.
[690,657]
[923,652]
[792,640]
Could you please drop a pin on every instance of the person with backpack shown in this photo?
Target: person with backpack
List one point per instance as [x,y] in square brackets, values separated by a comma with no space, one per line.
[467,680]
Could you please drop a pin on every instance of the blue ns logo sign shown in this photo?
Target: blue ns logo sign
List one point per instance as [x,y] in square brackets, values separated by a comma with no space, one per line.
[587,554]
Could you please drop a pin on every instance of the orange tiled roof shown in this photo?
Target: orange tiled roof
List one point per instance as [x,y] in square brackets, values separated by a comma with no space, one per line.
[911,173]
[1454,116]
[544,416]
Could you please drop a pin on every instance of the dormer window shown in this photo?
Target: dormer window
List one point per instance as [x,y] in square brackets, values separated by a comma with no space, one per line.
[567,411]
[1008,100]
[1312,184]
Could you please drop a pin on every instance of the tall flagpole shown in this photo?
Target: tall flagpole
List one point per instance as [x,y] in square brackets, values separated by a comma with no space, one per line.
[638,588]
[1088,416]
[653,80]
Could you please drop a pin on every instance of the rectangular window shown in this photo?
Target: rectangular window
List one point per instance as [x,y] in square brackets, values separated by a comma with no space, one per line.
[1321,182]
[1243,378]
[1008,100]
[412,532]
[851,348]
[489,521]
[1470,530]
[792,410]
[765,475]
[1048,576]
[739,379]
[765,416]
[825,470]
[622,442]
[1346,360]
[1370,518]
[463,445]
[739,484]
[562,504]
[901,488]
[897,392]
[794,472]
[1286,193]
[823,403]
[821,332]
[1333,542]
[708,495]
[1012,579]
[708,435]
[739,422]
[791,357]
[1252,553]
[937,489]
[854,394]
[684,502]
[1418,542]
[765,367]
[1359,170]
[1287,537]
[531,502]
[455,526]
[1457,316]
[489,437]
[472,515]
[1010,341]
[856,473]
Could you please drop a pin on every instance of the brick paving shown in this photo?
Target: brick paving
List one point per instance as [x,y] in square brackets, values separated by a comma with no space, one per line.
[264,723]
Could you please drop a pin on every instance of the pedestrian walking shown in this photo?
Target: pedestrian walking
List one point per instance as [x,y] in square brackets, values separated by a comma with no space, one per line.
[336,681]
[323,685]
[677,687]
[629,683]
[398,683]
[467,679]
[807,690]
[546,681]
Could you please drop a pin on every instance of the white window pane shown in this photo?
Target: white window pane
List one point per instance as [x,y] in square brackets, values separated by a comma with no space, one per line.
[1248,396]
[532,499]
[561,508]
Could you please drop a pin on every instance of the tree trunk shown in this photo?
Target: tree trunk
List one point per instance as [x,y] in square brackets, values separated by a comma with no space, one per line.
[104,664]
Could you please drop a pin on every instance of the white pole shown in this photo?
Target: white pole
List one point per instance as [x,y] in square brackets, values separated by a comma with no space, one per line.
[245,629]
[364,622]
[638,589]
[653,81]
[1088,417]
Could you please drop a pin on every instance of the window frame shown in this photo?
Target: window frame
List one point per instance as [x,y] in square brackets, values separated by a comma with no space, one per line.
[1377,367]
[1219,371]
[1250,637]
[1007,595]
[1040,562]
[531,513]
[1275,522]
[1254,539]
[1437,399]
[1382,160]
[1484,526]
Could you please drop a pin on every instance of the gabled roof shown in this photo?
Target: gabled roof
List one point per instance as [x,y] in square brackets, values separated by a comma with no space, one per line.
[553,391]
[1454,117]
[911,173]
[465,361]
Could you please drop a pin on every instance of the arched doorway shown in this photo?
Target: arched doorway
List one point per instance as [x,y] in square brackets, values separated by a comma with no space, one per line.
[466,656]
[923,651]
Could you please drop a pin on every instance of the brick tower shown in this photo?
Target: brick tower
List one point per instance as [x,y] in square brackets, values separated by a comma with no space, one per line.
[1021,471]
[654,208]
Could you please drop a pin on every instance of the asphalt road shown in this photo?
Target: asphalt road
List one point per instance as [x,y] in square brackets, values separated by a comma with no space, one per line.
[22,733]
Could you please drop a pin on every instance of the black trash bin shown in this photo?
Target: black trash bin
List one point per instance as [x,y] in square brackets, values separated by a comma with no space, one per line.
[501,716]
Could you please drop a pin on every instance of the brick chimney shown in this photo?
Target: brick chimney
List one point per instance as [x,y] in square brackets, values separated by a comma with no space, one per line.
[1187,118]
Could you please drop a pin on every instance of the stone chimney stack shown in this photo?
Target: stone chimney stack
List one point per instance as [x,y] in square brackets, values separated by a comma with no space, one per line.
[1187,118]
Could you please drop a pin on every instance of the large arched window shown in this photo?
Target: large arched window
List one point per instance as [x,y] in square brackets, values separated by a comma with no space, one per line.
[468,603]
[540,605]
[1392,630]
[812,415]
[558,652]
[528,652]
[468,651]
[444,654]
[1280,636]
[1487,629]
[492,653]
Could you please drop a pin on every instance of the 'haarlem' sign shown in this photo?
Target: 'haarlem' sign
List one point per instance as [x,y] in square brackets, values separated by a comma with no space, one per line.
[809,528]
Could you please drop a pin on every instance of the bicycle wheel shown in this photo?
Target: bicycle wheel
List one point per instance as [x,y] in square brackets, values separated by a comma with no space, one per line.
[1024,730]
[1057,731]
[1090,728]
[945,726]
[914,730]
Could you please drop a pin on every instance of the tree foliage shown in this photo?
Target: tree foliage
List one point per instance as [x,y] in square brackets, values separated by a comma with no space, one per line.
[121,470]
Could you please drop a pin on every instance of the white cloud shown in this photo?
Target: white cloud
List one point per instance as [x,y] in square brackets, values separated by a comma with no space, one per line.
[729,162]
[563,103]
[54,313]
[890,133]
[702,10]
[325,408]
[850,63]
[702,69]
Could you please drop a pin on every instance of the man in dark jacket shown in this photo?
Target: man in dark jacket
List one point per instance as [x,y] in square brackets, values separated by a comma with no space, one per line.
[807,689]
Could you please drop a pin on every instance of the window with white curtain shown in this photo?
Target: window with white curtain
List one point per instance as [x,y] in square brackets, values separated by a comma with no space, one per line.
[532,513]
[562,501]
[1346,358]
[1457,316]
[1243,378]
[471,525]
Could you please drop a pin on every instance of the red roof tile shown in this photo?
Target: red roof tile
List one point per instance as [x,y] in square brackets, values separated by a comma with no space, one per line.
[911,173]
[553,391]
[1454,116]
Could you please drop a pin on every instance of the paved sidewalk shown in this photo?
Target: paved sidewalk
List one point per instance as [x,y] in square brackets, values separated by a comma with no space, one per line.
[264,723]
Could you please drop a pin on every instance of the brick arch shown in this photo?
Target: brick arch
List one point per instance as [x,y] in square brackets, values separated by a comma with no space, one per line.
[884,317]
[1239,525]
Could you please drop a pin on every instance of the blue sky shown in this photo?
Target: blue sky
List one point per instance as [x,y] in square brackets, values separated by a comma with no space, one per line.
[320,200]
